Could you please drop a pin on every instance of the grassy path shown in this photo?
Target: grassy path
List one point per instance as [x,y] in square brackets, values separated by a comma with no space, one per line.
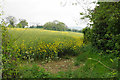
[60,65]
[55,66]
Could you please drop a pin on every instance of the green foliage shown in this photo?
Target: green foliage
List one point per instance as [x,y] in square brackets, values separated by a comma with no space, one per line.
[11,20]
[68,30]
[87,36]
[33,71]
[55,25]
[86,51]
[23,23]
[19,25]
[10,26]
[39,26]
[104,35]
[93,64]
[32,27]
[9,69]
[106,29]
[8,59]
[75,30]
[105,32]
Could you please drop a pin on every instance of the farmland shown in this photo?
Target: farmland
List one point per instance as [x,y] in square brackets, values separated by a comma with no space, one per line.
[31,49]
[41,44]
[45,47]
[40,53]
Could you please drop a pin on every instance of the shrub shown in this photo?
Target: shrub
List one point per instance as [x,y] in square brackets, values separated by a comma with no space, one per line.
[33,71]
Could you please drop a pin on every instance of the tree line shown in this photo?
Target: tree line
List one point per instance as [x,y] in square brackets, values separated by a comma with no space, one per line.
[11,22]
[55,25]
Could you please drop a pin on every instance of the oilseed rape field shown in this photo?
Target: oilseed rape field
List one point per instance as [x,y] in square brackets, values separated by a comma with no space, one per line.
[40,44]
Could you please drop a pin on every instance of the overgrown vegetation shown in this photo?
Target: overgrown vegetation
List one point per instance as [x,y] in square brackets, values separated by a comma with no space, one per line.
[104,33]
[97,57]
[93,64]
[35,48]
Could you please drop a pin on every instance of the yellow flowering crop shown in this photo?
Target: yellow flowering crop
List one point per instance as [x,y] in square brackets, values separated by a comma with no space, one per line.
[40,43]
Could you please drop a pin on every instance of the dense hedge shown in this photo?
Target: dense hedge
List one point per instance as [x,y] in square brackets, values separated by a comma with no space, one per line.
[105,31]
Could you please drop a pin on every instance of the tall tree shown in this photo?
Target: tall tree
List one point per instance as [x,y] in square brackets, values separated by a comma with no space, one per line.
[11,20]
[23,22]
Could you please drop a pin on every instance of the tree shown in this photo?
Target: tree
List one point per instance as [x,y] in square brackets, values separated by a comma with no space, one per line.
[61,26]
[68,29]
[105,31]
[55,25]
[11,20]
[23,22]
[39,26]
[10,26]
[32,26]
[49,26]
[19,25]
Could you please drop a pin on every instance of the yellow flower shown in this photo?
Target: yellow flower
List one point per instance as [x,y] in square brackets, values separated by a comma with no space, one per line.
[30,51]
[18,50]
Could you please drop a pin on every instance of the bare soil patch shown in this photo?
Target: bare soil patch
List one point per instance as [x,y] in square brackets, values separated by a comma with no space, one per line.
[59,65]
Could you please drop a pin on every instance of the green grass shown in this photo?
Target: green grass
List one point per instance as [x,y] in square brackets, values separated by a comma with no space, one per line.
[31,37]
[28,35]
[94,65]
[91,67]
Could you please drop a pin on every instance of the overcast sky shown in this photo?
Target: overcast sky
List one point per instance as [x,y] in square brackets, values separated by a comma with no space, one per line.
[42,11]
